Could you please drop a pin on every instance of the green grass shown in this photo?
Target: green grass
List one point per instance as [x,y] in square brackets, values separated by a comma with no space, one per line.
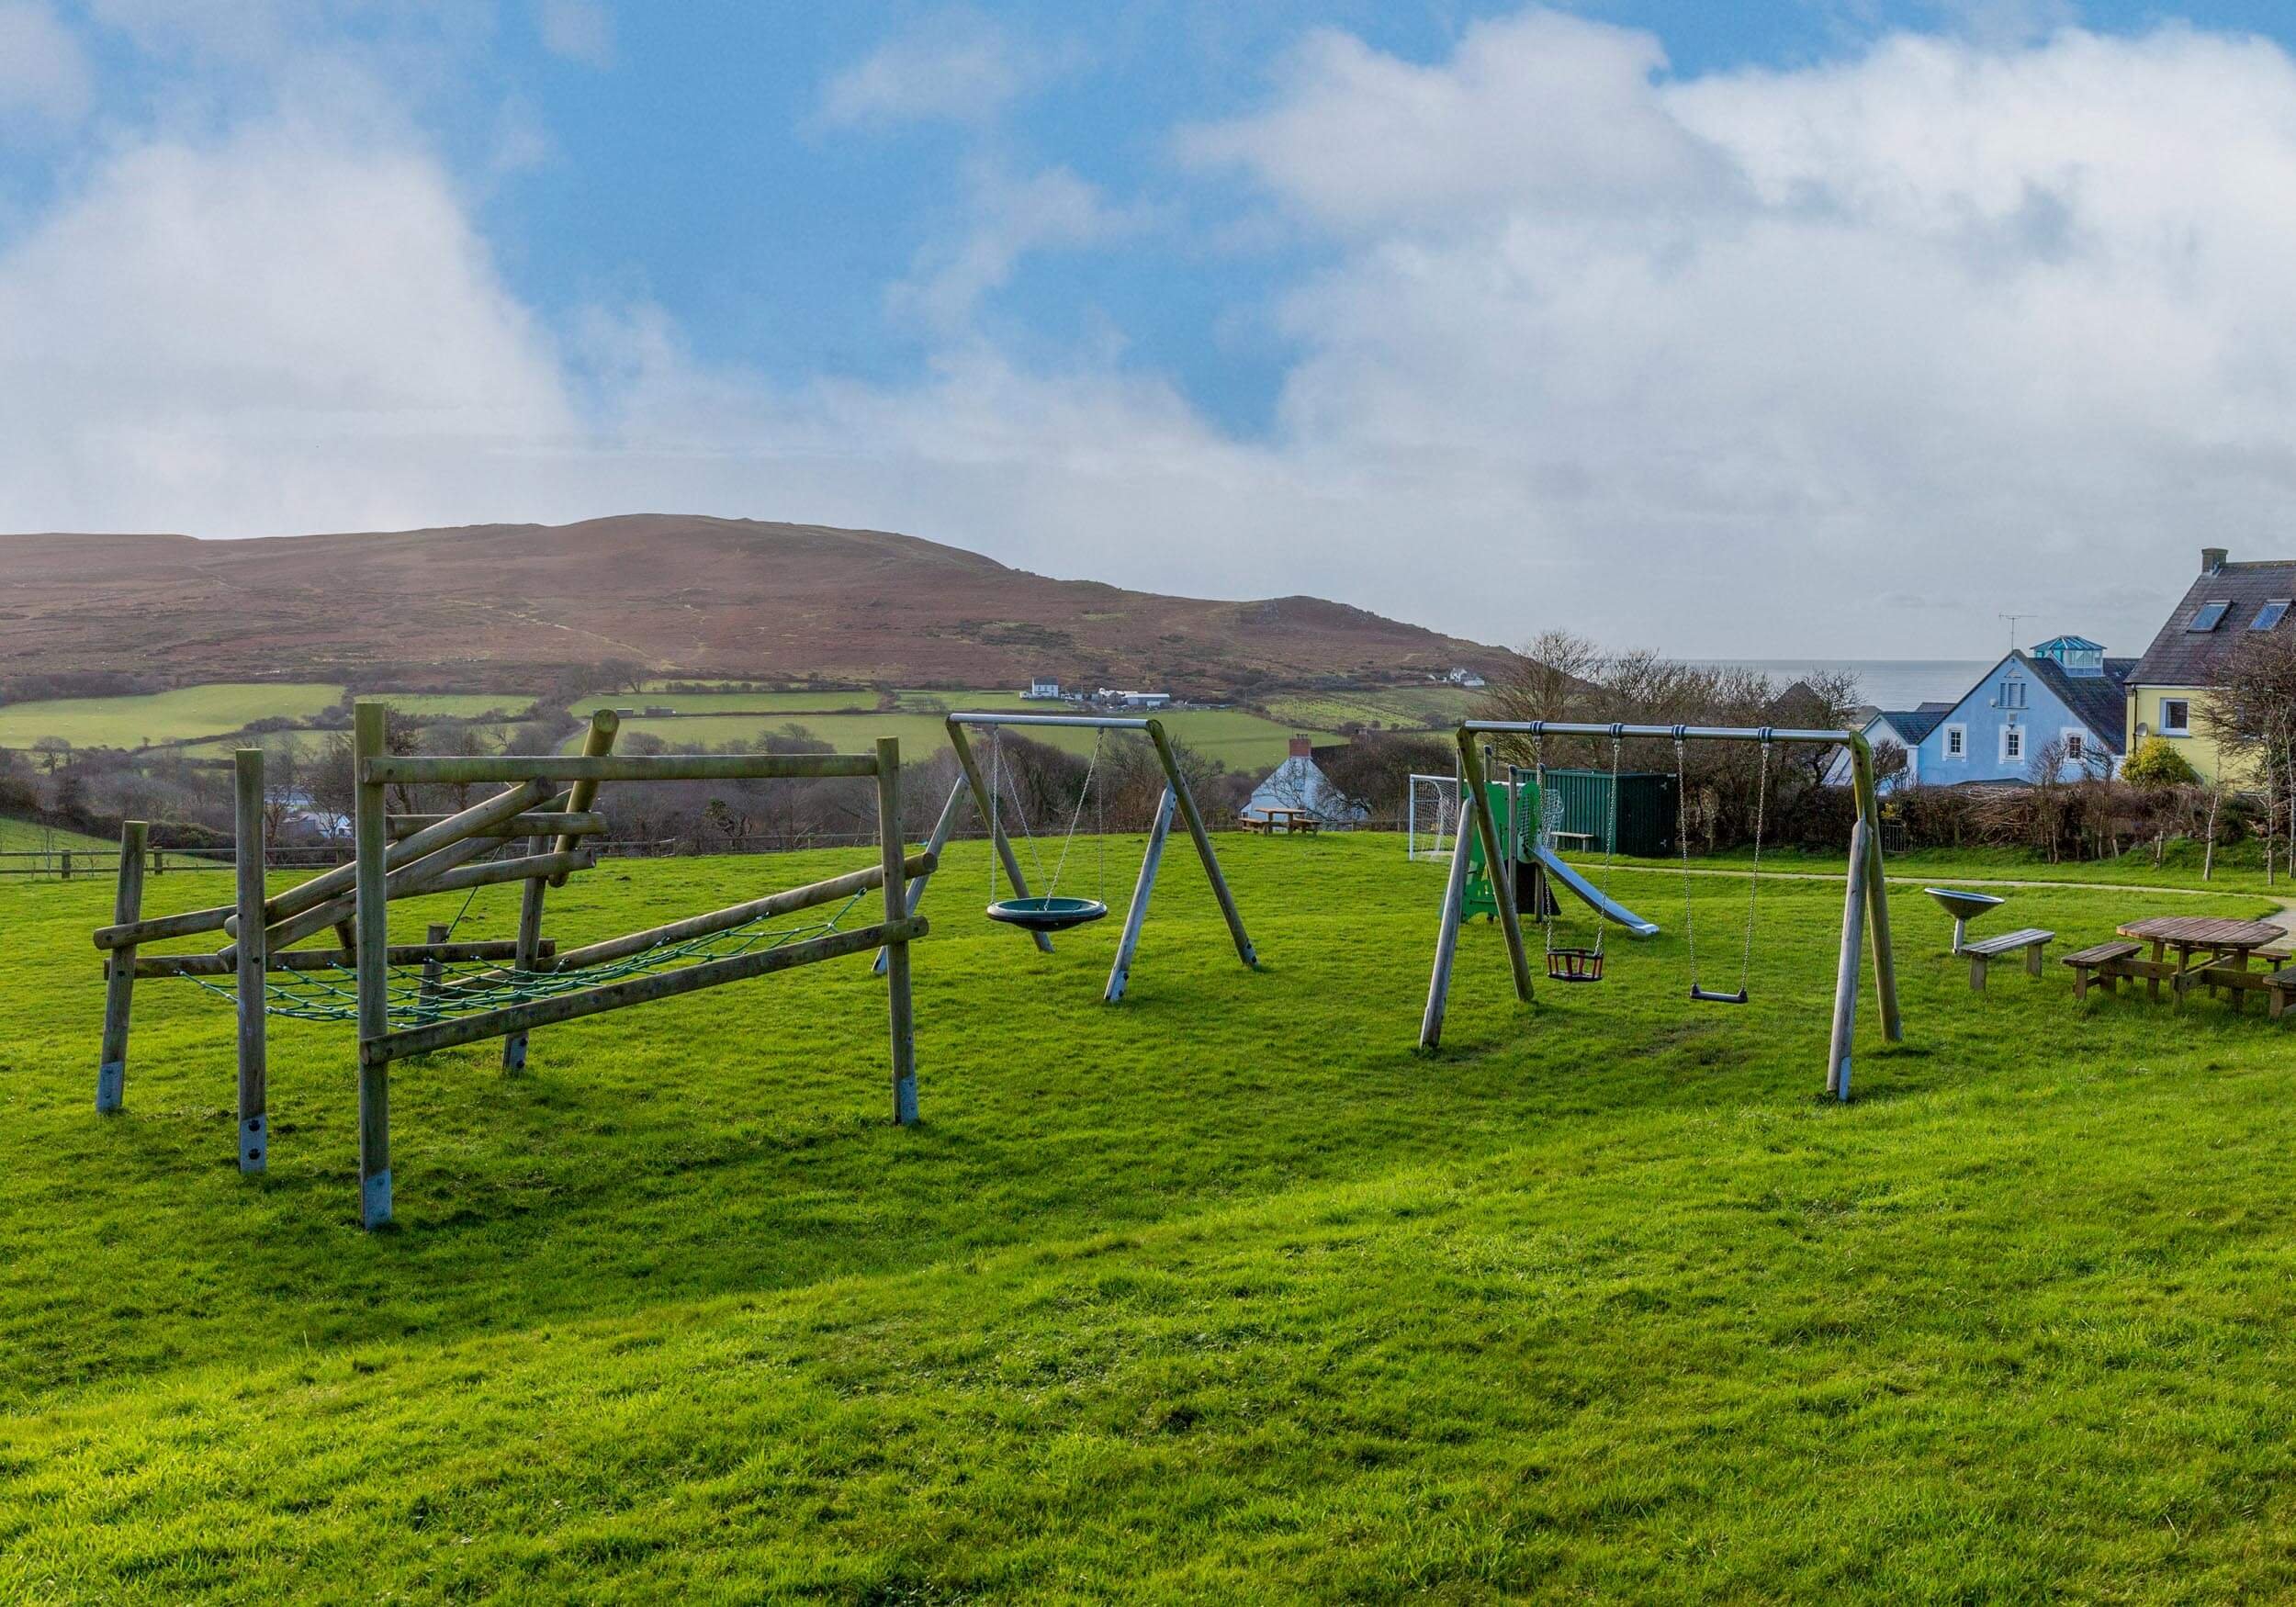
[1224,1294]
[168,717]
[24,836]
[1416,707]
[1239,740]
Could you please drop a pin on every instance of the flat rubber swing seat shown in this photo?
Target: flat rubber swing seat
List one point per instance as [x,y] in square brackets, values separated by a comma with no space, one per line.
[1047,914]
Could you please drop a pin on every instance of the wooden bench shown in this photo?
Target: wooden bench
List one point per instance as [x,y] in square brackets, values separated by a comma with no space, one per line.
[2106,963]
[2031,940]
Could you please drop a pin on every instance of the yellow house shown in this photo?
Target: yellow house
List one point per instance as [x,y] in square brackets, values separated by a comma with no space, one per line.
[2169,688]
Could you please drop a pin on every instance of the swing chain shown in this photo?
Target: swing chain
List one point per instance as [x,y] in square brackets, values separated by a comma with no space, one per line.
[1682,840]
[1753,882]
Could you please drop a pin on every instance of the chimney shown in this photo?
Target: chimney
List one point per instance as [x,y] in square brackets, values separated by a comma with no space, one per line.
[2213,559]
[1302,746]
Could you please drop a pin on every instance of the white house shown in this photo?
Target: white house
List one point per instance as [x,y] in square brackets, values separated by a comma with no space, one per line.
[1466,677]
[1043,690]
[1133,700]
[1297,783]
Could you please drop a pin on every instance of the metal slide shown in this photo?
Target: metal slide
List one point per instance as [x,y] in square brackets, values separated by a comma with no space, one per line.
[1617,913]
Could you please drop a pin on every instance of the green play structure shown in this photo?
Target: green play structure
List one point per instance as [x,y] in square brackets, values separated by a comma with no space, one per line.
[1519,820]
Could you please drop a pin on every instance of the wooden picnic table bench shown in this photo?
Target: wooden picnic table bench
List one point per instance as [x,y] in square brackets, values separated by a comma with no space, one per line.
[2031,940]
[2109,962]
[2225,947]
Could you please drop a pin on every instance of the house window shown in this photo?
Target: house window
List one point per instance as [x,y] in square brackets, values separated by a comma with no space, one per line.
[2012,693]
[2176,717]
[2210,615]
[1956,742]
[2012,745]
[2271,614]
[2075,747]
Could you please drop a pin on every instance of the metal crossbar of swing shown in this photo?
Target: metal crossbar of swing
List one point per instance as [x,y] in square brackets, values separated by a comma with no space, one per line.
[1865,909]
[1670,733]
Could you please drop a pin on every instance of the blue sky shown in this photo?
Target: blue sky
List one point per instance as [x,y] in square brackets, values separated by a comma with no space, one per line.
[1750,329]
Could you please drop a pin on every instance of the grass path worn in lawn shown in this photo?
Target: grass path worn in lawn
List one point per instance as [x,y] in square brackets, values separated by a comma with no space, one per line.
[1221,1294]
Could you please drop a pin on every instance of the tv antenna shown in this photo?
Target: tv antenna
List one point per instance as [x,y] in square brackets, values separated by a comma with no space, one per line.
[2013,619]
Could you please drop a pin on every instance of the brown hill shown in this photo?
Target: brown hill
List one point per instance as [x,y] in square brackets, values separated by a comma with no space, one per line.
[698,596]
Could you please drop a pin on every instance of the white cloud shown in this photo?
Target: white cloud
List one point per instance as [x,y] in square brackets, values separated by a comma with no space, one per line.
[954,66]
[1008,217]
[43,73]
[580,30]
[1762,362]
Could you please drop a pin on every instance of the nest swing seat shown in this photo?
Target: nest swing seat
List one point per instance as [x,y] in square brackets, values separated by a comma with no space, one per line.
[1047,913]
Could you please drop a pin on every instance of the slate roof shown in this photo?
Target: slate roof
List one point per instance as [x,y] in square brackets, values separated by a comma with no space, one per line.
[1913,724]
[2185,658]
[2100,702]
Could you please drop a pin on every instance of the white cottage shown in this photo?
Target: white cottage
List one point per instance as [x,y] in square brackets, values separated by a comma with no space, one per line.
[1297,783]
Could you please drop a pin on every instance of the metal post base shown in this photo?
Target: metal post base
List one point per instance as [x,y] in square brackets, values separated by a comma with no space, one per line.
[375,1200]
[111,1085]
[255,1144]
[905,1102]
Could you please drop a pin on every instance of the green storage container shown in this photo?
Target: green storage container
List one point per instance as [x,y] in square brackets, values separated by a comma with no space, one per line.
[1647,812]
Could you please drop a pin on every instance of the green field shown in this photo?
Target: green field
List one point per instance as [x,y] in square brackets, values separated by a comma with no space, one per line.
[24,837]
[168,717]
[1423,707]
[1241,741]
[1221,1294]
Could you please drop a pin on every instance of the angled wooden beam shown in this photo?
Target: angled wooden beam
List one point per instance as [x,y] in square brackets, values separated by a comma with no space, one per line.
[1001,844]
[637,990]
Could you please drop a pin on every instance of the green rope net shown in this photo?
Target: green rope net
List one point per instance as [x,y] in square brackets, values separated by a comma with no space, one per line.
[419,995]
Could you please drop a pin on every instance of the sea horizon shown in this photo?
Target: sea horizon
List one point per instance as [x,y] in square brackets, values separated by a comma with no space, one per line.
[1885,683]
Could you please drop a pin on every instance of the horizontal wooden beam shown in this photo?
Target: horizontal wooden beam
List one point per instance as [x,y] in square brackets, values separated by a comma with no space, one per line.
[322,889]
[740,915]
[325,959]
[535,822]
[127,934]
[637,990]
[394,770]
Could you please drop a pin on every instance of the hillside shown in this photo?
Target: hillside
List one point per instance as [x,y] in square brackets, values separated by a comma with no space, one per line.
[684,595]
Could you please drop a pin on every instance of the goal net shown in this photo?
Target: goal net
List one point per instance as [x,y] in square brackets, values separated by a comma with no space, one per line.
[1432,819]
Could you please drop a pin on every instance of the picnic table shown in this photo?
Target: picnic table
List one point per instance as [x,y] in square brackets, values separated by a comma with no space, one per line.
[1288,821]
[2224,945]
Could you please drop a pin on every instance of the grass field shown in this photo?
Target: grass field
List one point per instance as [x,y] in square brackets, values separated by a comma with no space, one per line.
[1412,707]
[23,836]
[168,717]
[1224,1294]
[1243,742]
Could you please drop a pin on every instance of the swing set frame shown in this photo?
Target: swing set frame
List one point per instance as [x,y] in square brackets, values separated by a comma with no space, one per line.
[1865,906]
[1177,800]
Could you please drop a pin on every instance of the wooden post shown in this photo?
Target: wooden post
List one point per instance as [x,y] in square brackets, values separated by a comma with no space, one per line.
[529,950]
[897,1004]
[1487,828]
[596,744]
[120,984]
[247,859]
[1446,944]
[434,936]
[370,838]
[1136,916]
[66,864]
[937,845]
[1876,890]
[999,843]
[1845,1020]
[1178,783]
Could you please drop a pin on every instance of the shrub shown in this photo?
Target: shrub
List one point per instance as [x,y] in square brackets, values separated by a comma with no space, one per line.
[2157,763]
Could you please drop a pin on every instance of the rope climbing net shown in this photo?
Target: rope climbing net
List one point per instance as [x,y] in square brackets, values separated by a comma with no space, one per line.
[436,990]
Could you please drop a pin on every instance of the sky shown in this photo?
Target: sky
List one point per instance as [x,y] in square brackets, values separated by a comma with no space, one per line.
[1790,328]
